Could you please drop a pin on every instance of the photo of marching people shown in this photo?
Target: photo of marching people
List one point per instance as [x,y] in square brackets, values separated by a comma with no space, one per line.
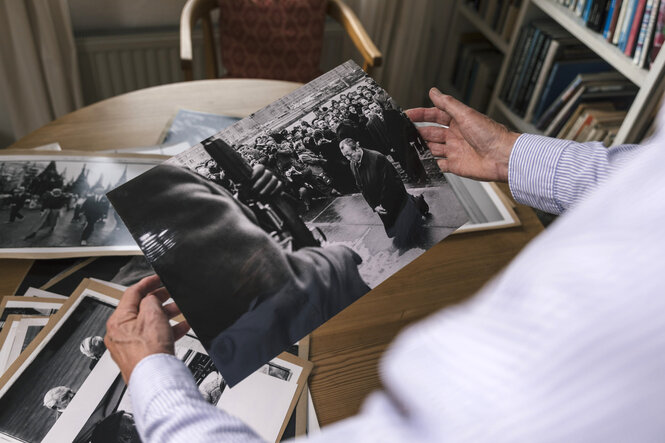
[353,165]
[53,203]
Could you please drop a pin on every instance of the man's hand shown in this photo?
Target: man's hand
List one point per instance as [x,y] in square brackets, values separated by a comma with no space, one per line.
[380,210]
[140,327]
[473,145]
[264,181]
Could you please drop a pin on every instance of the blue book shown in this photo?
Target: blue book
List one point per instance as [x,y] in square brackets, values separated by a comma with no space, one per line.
[608,20]
[563,72]
[625,30]
[587,10]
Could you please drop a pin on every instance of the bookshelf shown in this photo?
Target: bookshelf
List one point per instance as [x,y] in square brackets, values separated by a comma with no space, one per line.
[651,82]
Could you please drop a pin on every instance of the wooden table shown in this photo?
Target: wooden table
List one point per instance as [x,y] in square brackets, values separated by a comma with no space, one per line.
[347,349]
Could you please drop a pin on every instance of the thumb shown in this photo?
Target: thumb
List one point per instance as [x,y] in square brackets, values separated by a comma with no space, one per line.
[446,103]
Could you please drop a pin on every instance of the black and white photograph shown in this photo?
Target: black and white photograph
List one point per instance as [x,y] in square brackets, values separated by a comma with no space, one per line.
[54,205]
[336,163]
[17,333]
[105,401]
[19,305]
[37,389]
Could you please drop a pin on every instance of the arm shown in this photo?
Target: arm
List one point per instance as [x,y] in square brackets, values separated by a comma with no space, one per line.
[168,406]
[553,175]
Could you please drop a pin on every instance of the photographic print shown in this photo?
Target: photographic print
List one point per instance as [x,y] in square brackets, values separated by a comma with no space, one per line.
[102,409]
[53,204]
[19,305]
[38,387]
[16,335]
[231,224]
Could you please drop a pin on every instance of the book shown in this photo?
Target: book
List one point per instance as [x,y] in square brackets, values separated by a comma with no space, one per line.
[487,71]
[620,20]
[513,66]
[659,33]
[562,73]
[568,91]
[646,33]
[621,95]
[557,40]
[627,22]
[511,18]
[612,16]
[527,64]
[635,28]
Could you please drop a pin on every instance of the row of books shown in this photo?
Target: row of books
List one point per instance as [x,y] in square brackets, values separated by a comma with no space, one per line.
[591,107]
[500,15]
[636,27]
[477,65]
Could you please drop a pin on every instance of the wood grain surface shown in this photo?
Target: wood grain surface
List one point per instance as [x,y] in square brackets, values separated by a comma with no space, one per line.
[346,350]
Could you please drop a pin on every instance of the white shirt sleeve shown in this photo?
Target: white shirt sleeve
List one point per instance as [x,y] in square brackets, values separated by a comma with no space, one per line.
[552,175]
[168,406]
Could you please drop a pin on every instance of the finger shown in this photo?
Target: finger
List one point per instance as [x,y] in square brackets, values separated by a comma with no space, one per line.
[433,133]
[150,304]
[431,115]
[179,330]
[270,187]
[262,181]
[162,294]
[438,149]
[257,170]
[132,296]
[171,310]
[447,103]
[443,164]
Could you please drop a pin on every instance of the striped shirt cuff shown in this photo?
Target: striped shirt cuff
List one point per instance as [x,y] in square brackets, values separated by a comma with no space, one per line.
[152,378]
[532,171]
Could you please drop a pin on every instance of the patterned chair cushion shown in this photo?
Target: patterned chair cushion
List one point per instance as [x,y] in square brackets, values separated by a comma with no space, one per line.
[276,39]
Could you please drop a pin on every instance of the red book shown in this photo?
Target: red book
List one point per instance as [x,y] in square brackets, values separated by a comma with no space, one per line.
[635,28]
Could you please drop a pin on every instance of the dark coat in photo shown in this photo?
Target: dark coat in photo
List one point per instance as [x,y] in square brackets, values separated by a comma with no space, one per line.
[380,185]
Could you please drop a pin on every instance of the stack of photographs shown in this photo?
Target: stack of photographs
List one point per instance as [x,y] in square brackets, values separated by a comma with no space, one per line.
[82,394]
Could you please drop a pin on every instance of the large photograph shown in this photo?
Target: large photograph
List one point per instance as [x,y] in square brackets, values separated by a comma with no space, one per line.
[229,224]
[54,205]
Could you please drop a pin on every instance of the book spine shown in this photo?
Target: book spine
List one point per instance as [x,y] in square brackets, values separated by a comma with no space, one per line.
[641,38]
[527,64]
[608,19]
[622,18]
[634,28]
[560,101]
[659,36]
[648,38]
[627,23]
[579,8]
[587,10]
[613,22]
[542,78]
[532,74]
[510,78]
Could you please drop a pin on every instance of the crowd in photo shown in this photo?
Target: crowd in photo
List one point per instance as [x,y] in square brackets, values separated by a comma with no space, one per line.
[306,155]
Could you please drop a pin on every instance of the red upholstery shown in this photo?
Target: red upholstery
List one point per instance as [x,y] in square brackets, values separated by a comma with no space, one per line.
[278,39]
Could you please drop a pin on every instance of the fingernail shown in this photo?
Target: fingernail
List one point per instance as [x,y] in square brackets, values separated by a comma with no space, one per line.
[435,91]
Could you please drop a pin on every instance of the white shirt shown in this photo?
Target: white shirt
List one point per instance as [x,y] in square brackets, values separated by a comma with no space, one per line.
[567,344]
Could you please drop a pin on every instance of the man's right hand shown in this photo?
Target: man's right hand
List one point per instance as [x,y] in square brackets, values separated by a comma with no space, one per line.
[473,145]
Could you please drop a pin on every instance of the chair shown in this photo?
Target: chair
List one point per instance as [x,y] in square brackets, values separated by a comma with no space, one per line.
[195,10]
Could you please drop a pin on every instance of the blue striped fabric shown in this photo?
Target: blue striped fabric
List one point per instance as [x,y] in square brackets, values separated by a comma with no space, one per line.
[566,345]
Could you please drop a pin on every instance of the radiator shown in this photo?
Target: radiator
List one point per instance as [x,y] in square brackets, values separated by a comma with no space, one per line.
[123,62]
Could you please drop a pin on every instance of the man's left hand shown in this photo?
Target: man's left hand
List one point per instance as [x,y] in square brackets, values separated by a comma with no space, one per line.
[140,327]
